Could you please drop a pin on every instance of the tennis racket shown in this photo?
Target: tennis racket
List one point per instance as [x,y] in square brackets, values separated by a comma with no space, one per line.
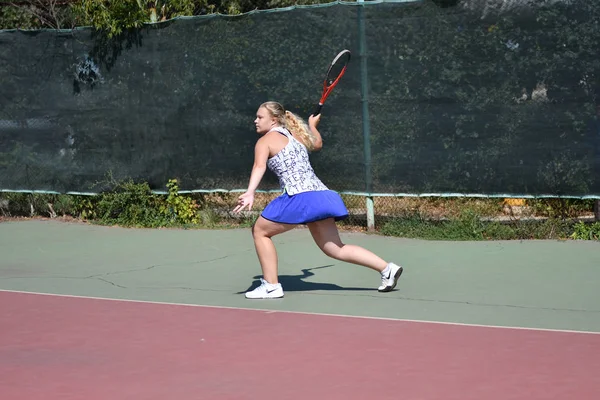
[334,74]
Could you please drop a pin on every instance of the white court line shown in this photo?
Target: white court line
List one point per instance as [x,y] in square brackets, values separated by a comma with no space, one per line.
[267,311]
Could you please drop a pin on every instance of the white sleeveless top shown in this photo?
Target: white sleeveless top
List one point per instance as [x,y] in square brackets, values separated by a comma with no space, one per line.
[292,167]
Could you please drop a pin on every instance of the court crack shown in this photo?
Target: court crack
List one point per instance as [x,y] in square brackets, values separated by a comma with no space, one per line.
[101,277]
[183,288]
[470,303]
[111,283]
[156,266]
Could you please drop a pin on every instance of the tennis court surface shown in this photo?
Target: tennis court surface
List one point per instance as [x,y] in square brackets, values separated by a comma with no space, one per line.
[92,312]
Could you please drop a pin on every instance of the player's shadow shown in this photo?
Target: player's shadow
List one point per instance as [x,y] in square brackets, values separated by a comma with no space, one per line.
[297,283]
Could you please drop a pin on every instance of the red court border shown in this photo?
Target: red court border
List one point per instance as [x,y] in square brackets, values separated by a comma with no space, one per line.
[71,347]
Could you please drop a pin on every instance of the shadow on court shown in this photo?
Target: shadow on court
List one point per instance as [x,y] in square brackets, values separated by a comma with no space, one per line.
[297,283]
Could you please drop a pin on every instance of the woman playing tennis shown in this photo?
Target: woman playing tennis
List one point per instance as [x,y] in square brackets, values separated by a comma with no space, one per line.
[283,148]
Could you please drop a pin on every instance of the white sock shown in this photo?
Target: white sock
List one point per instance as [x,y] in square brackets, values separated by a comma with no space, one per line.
[386,270]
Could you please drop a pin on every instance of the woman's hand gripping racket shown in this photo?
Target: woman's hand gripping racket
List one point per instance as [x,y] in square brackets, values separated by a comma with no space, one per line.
[334,74]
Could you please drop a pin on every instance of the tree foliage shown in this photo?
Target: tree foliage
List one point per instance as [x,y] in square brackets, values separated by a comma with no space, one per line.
[115,16]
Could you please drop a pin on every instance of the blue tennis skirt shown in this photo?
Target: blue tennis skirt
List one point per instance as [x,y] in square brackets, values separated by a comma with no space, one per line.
[306,207]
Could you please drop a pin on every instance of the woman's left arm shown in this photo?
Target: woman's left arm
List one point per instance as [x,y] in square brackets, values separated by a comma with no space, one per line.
[261,154]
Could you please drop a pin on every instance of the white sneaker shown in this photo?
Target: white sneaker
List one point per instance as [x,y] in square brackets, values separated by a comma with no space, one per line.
[266,291]
[389,280]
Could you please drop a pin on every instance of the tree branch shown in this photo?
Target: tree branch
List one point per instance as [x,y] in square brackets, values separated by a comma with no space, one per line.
[46,11]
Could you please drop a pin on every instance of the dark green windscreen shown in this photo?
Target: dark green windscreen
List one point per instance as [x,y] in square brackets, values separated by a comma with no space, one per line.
[457,102]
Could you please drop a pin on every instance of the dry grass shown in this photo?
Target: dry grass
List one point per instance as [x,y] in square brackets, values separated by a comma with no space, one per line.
[426,207]
[216,209]
[388,208]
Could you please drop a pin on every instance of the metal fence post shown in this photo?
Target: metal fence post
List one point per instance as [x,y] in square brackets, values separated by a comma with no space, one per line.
[364,90]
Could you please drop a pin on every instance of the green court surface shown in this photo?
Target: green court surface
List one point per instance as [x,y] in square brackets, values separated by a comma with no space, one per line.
[530,284]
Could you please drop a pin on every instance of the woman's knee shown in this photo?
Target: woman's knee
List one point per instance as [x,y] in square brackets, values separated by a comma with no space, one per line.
[332,249]
[256,230]
[263,228]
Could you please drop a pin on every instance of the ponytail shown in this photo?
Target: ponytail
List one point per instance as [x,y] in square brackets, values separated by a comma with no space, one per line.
[298,127]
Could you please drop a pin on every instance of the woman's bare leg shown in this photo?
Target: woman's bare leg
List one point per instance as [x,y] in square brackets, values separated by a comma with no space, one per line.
[326,236]
[262,232]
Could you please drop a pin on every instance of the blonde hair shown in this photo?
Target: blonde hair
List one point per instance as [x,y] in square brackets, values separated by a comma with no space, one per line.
[292,122]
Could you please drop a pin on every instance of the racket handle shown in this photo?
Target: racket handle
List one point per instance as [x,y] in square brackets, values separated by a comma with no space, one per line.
[318,109]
